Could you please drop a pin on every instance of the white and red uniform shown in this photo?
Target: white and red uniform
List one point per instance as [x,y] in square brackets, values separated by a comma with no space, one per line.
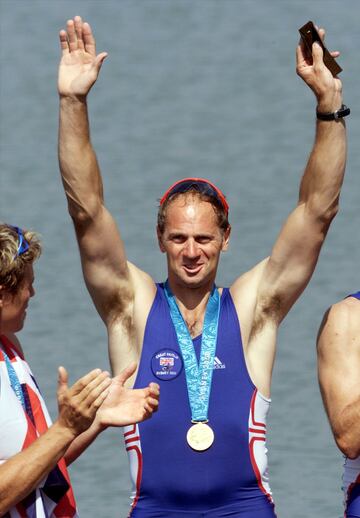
[19,427]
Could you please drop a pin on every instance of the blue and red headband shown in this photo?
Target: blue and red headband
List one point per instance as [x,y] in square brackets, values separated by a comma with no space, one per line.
[202,185]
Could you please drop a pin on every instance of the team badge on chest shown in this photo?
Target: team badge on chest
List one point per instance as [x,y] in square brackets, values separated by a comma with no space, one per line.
[166,364]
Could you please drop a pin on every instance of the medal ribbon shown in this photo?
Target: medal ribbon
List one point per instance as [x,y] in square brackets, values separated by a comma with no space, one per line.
[14,380]
[198,376]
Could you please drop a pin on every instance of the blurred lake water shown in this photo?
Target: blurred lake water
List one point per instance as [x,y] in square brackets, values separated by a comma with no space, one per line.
[189,88]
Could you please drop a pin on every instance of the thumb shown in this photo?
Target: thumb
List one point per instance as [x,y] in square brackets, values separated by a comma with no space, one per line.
[317,53]
[126,373]
[62,380]
[99,60]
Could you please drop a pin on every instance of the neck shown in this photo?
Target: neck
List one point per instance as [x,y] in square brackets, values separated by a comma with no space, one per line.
[190,298]
[192,304]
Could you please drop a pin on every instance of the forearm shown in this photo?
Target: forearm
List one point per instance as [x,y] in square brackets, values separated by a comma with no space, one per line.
[23,472]
[83,441]
[78,164]
[321,184]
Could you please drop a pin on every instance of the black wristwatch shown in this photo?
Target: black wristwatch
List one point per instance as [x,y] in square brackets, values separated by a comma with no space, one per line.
[334,116]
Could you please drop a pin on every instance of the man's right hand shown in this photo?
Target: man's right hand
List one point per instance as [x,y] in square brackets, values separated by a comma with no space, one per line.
[79,65]
[78,405]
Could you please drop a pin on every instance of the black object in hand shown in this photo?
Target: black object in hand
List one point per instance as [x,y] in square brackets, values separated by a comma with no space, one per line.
[309,34]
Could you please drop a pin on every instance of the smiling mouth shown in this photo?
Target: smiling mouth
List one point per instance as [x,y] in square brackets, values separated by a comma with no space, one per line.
[192,269]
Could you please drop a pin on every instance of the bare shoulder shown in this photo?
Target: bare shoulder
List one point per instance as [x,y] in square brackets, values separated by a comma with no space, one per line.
[340,328]
[143,284]
[245,287]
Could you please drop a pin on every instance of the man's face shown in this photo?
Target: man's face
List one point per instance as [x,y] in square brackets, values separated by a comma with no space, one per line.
[192,241]
[14,306]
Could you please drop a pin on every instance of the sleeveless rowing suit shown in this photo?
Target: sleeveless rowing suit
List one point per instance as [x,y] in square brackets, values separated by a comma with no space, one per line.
[170,479]
[351,477]
[19,427]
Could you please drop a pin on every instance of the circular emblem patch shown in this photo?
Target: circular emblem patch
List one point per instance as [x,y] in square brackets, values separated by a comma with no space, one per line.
[166,364]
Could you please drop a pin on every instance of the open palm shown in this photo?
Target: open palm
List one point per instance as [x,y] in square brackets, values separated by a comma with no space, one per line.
[124,406]
[79,65]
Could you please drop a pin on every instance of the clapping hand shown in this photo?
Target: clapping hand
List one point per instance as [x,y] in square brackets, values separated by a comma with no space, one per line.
[78,404]
[124,406]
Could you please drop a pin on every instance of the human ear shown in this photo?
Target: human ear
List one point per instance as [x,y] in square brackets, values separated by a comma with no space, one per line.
[226,238]
[5,297]
[159,236]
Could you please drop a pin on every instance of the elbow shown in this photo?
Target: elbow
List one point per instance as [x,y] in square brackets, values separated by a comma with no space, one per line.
[5,505]
[84,213]
[331,212]
[350,446]
[324,214]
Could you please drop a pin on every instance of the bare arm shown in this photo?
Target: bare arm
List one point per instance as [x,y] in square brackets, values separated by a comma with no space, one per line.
[339,367]
[294,256]
[121,407]
[264,295]
[110,279]
[23,472]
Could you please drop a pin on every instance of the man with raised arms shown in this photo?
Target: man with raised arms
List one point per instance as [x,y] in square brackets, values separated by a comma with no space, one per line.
[204,453]
[339,368]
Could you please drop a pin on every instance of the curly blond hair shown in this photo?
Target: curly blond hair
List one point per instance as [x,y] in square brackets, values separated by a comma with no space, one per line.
[12,265]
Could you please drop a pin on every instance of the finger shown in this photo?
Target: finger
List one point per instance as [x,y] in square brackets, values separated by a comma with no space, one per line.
[70,28]
[149,408]
[62,379]
[335,53]
[301,53]
[321,33]
[126,373]
[88,38]
[85,394]
[154,389]
[97,390]
[317,53]
[83,382]
[78,31]
[64,42]
[152,403]
[100,399]
[99,60]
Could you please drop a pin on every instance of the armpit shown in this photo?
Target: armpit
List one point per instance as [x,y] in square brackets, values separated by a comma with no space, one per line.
[119,308]
[268,310]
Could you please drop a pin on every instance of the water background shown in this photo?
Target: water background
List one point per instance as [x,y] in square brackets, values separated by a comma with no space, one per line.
[203,88]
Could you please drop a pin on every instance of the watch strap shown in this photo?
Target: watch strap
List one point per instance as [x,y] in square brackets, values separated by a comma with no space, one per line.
[333,116]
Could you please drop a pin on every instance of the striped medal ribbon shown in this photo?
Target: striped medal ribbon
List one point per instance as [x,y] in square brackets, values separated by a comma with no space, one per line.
[198,375]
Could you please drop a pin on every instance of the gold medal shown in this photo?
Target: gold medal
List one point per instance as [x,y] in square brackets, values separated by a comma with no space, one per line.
[200,437]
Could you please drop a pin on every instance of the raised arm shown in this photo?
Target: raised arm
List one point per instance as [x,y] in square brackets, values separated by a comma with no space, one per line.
[339,368]
[109,278]
[294,256]
[264,295]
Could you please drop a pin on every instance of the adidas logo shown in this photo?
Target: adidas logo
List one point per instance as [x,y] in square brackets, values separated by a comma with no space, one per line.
[218,363]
